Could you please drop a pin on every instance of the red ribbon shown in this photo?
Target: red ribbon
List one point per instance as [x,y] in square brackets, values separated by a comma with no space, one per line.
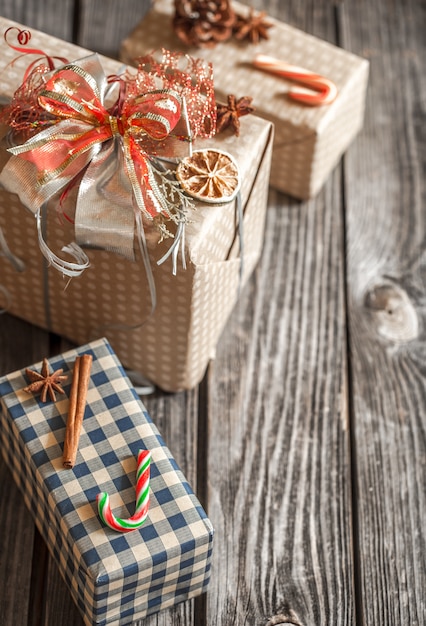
[108,151]
[71,94]
[23,37]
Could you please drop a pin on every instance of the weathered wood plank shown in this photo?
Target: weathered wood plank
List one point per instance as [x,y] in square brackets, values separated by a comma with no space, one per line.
[50,16]
[103,24]
[279,464]
[386,277]
[16,543]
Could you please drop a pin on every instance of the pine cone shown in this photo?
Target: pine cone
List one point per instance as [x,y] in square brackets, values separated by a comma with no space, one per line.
[203,23]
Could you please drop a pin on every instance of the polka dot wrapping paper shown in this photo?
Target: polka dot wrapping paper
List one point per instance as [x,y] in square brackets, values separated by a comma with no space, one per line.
[113,578]
[309,141]
[172,345]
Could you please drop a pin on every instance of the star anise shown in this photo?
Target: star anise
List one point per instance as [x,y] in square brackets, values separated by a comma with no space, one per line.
[228,114]
[254,27]
[45,382]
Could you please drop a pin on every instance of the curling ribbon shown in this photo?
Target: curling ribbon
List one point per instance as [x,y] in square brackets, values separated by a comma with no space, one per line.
[16,262]
[321,89]
[5,251]
[110,154]
[23,37]
[8,299]
[142,499]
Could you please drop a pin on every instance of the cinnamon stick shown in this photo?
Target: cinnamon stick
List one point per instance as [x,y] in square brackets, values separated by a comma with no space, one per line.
[79,386]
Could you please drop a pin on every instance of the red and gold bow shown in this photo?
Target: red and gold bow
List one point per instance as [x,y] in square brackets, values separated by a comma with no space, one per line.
[109,149]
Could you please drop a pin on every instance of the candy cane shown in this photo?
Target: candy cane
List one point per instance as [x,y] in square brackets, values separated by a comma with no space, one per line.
[142,499]
[325,90]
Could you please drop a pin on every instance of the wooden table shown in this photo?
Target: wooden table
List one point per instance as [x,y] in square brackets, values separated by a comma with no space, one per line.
[306,440]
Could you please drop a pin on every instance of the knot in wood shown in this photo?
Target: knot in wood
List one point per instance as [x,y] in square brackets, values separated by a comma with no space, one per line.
[395,314]
[282,619]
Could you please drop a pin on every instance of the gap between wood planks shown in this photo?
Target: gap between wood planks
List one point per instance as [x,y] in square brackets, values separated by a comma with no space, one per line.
[200,603]
[338,17]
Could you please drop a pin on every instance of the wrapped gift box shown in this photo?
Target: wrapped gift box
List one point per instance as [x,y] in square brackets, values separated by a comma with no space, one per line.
[173,345]
[114,578]
[309,141]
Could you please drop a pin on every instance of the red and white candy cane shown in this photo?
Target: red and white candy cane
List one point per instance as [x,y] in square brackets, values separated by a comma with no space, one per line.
[142,499]
[321,90]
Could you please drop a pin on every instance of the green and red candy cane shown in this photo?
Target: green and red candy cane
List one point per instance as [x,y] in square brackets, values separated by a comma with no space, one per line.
[142,499]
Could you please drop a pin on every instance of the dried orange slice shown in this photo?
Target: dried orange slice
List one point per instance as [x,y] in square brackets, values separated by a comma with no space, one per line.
[209,175]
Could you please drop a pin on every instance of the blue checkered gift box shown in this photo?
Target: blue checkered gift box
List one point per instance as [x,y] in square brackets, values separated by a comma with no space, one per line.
[114,578]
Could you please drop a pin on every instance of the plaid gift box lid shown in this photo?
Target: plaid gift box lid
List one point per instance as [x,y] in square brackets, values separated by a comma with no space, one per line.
[114,578]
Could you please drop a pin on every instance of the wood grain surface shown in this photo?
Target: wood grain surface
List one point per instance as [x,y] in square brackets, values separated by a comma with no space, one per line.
[386,280]
[279,458]
[305,442]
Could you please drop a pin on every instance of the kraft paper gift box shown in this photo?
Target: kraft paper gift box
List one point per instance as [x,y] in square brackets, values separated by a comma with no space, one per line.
[309,141]
[173,345]
[114,578]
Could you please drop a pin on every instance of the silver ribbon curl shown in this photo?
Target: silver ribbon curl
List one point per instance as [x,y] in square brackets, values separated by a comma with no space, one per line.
[16,263]
[109,200]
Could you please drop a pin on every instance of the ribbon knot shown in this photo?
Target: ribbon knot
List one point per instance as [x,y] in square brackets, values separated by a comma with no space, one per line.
[72,94]
[111,152]
[116,126]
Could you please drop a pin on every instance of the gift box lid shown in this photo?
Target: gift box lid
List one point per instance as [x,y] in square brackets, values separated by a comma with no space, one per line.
[114,578]
[233,68]
[309,140]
